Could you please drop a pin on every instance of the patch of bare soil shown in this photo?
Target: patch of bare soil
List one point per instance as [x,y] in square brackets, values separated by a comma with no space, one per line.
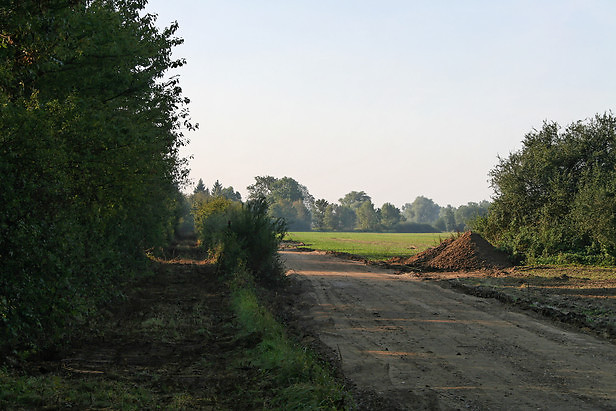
[422,346]
[582,297]
[172,335]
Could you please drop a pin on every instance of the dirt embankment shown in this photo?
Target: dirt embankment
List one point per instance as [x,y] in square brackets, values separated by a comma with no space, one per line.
[423,346]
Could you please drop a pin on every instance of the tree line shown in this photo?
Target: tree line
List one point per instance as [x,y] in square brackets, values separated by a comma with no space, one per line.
[90,129]
[355,211]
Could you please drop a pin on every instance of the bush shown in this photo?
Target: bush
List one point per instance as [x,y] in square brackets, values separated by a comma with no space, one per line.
[555,198]
[242,235]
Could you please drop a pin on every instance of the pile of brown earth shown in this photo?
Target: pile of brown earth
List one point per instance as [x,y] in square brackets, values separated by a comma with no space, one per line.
[469,251]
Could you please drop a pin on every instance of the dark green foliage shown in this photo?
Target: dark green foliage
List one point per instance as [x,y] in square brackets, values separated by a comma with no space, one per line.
[423,211]
[555,197]
[390,216]
[318,214]
[242,235]
[89,139]
[367,217]
[287,198]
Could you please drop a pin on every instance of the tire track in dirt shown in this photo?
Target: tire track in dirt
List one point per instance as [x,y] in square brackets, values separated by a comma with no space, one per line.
[424,346]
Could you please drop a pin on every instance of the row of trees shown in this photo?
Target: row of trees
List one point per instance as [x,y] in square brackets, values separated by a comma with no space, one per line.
[355,211]
[293,202]
[89,139]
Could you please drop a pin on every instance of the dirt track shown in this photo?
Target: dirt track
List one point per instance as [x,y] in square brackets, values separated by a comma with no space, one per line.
[427,347]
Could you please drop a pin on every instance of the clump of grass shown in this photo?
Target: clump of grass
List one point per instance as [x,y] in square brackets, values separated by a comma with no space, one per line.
[57,392]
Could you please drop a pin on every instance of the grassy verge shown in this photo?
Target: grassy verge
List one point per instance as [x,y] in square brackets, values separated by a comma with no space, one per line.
[372,246]
[297,379]
[181,339]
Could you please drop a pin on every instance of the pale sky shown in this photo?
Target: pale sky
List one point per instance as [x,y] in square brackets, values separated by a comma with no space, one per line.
[395,98]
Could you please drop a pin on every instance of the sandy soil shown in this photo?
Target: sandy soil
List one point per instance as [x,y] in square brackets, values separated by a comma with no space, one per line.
[422,346]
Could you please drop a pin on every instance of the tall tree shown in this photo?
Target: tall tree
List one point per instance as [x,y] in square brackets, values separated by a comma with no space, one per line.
[318,214]
[423,210]
[390,216]
[354,199]
[367,217]
[285,195]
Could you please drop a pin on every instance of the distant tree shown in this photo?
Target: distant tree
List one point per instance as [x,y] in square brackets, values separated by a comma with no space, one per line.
[390,216]
[346,218]
[469,212]
[231,194]
[447,219]
[318,214]
[423,210]
[367,217]
[200,188]
[285,195]
[263,187]
[217,189]
[331,220]
[354,199]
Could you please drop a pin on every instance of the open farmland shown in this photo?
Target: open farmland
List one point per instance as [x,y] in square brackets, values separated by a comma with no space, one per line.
[373,246]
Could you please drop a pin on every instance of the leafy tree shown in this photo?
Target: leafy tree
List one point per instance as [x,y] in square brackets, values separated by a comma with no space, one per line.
[318,214]
[390,216]
[367,217]
[423,210]
[465,214]
[287,198]
[331,219]
[447,219]
[354,199]
[89,159]
[554,197]
[346,218]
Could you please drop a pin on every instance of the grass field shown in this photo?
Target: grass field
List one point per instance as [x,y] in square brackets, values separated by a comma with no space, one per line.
[373,246]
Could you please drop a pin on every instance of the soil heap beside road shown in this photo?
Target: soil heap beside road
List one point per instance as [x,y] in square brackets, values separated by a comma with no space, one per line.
[470,251]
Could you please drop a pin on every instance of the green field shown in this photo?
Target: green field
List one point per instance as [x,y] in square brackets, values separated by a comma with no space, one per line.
[373,246]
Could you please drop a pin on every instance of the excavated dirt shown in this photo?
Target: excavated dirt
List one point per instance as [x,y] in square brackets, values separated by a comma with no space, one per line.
[468,252]
[423,346]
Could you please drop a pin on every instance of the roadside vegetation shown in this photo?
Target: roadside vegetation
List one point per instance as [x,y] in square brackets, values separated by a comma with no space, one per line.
[555,198]
[243,240]
[89,160]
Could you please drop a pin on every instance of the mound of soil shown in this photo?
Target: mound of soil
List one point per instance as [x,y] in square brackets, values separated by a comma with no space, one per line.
[470,251]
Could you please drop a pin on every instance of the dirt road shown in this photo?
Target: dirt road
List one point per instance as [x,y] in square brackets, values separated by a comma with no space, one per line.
[426,347]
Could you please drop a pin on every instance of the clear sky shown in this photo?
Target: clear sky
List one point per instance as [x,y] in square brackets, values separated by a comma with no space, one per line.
[395,98]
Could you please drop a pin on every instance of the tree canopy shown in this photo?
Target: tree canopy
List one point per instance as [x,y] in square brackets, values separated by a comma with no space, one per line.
[556,197]
[90,128]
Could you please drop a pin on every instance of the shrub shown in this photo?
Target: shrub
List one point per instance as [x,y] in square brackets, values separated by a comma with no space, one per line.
[242,234]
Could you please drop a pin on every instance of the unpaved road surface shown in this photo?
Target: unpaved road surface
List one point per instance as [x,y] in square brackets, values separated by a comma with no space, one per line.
[426,347]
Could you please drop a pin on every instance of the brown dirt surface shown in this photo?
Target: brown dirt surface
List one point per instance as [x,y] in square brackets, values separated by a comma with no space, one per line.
[172,337]
[469,251]
[423,346]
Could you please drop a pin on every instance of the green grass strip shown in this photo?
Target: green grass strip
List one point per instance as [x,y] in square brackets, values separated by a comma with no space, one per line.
[373,246]
[300,381]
